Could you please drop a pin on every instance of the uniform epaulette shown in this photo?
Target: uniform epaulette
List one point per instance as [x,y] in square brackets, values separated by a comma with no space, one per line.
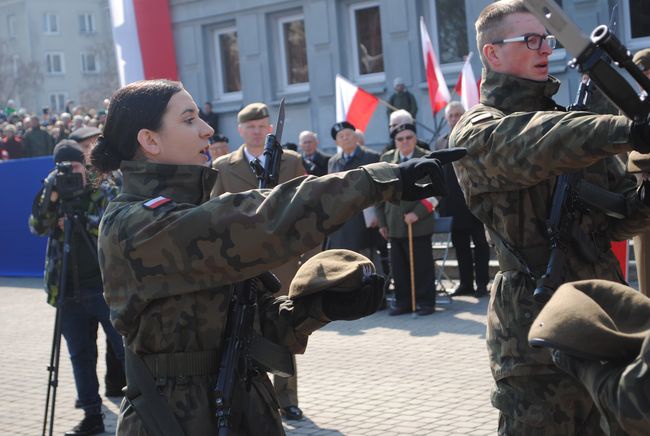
[155,203]
[481,117]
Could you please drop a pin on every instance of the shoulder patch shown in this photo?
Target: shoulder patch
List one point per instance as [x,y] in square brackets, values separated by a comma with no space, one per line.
[481,117]
[155,203]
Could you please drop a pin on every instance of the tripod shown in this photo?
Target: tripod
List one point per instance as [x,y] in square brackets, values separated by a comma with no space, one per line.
[71,220]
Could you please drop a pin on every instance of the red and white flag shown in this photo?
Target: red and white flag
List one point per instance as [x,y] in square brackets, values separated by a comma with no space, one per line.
[438,92]
[354,104]
[144,44]
[467,87]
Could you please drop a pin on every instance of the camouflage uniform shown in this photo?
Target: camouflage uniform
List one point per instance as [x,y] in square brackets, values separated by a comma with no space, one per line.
[168,272]
[518,141]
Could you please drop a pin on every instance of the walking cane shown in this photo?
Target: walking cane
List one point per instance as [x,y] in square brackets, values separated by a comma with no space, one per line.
[412,268]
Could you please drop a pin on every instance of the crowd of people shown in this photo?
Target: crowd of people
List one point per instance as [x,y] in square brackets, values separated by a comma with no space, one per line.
[517,139]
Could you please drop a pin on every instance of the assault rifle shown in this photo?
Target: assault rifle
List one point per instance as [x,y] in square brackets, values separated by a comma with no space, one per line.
[246,351]
[573,196]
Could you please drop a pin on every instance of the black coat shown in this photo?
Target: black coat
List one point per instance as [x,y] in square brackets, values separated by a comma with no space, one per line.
[317,164]
[453,204]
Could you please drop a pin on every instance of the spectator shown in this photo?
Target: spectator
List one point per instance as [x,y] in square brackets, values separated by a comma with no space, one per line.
[314,160]
[394,219]
[398,118]
[86,137]
[209,117]
[219,146]
[402,99]
[77,122]
[37,141]
[466,228]
[12,143]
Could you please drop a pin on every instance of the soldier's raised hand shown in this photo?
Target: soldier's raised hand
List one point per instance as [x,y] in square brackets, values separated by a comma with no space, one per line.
[414,170]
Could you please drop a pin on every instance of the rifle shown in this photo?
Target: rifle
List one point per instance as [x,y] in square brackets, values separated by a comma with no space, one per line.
[247,352]
[574,196]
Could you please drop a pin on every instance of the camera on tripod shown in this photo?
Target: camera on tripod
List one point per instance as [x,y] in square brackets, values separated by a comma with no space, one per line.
[68,184]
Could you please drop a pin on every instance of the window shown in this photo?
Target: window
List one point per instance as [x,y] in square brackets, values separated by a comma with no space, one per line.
[51,23]
[451,30]
[57,101]
[86,23]
[11,26]
[227,59]
[54,63]
[293,49]
[366,36]
[89,63]
[637,17]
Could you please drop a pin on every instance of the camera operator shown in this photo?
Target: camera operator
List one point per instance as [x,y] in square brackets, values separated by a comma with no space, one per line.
[66,195]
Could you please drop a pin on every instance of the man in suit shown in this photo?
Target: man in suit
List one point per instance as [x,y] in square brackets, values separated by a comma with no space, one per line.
[315,161]
[394,219]
[353,235]
[236,175]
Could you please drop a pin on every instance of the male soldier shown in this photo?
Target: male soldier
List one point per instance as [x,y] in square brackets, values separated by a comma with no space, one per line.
[466,228]
[315,161]
[236,175]
[518,141]
[640,164]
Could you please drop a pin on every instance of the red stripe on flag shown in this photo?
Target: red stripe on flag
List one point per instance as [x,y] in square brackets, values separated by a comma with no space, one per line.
[156,42]
[361,109]
[620,249]
[432,81]
[427,204]
[459,85]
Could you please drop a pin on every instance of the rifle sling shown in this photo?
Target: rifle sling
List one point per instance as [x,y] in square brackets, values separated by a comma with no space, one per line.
[150,406]
[272,357]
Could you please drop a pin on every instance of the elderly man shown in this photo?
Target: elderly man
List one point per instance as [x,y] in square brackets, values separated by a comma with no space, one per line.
[453,111]
[219,146]
[236,175]
[398,118]
[519,140]
[315,161]
[402,99]
[394,219]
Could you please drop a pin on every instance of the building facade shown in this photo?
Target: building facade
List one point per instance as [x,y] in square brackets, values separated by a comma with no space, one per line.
[55,51]
[233,53]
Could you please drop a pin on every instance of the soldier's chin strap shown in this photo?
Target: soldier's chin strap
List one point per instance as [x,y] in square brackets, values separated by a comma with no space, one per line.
[142,394]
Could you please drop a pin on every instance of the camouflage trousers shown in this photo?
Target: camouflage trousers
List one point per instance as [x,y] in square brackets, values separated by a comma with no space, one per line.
[545,405]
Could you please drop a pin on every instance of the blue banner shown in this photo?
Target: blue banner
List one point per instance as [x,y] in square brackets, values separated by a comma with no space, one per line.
[21,253]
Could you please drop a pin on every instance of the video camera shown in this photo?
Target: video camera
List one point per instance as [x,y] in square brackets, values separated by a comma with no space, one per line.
[68,184]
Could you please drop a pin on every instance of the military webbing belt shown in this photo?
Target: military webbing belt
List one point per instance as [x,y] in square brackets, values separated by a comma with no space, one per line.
[193,363]
[150,406]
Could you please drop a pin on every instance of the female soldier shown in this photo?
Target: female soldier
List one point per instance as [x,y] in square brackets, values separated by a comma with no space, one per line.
[169,255]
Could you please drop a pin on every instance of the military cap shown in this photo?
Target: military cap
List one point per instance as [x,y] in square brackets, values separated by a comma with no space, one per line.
[336,128]
[642,59]
[594,319]
[68,151]
[254,111]
[401,128]
[331,270]
[84,133]
[638,162]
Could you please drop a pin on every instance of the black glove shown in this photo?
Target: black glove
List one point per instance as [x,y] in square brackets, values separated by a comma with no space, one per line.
[357,304]
[640,135]
[416,169]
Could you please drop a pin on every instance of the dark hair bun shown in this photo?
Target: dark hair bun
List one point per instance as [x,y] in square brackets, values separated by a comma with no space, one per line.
[103,157]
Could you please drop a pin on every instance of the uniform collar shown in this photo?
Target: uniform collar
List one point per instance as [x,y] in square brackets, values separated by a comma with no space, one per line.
[513,94]
[181,183]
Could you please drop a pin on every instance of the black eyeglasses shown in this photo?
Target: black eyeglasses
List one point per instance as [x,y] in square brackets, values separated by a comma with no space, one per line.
[533,40]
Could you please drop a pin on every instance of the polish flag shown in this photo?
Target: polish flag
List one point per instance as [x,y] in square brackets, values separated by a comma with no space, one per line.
[438,92]
[144,45]
[353,104]
[467,86]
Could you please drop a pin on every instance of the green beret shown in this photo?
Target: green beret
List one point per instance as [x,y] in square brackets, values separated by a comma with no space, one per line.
[638,162]
[331,270]
[594,319]
[642,59]
[254,111]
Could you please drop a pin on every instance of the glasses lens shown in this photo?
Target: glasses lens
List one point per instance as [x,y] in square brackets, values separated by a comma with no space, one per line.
[551,41]
[534,42]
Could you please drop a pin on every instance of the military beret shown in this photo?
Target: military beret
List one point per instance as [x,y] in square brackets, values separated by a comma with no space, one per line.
[401,128]
[254,111]
[68,151]
[336,128]
[331,270]
[85,133]
[594,319]
[642,59]
[638,162]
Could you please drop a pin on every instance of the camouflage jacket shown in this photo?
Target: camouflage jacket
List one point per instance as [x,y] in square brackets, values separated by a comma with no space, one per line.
[43,221]
[518,140]
[168,270]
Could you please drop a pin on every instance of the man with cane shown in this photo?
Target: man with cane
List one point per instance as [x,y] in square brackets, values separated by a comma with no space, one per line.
[68,209]
[408,226]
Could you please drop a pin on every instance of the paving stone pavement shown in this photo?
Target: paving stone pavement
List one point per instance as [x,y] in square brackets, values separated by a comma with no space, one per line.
[377,376]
